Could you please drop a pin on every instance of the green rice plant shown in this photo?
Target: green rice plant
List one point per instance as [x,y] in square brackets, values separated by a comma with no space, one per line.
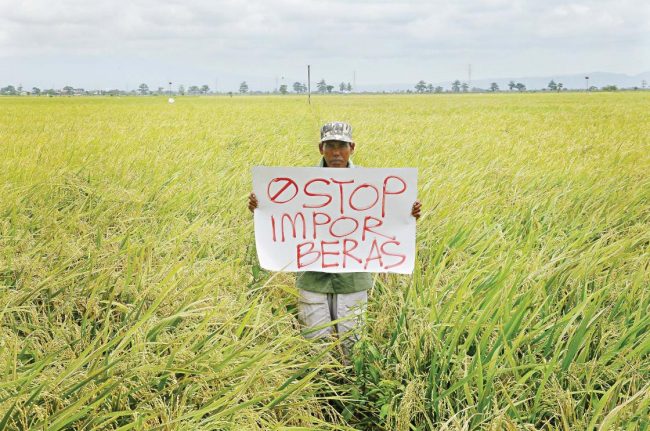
[131,297]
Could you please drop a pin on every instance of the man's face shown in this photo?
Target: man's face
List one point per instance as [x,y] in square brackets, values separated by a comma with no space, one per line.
[336,153]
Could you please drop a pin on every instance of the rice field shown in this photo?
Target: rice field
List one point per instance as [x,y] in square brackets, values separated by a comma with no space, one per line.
[131,298]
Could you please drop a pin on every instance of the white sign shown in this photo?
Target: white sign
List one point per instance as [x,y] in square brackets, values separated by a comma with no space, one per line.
[335,219]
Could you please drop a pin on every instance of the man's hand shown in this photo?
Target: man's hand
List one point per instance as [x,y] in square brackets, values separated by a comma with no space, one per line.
[252,202]
[415,210]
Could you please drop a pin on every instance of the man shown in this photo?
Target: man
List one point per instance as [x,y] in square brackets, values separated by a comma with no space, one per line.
[327,297]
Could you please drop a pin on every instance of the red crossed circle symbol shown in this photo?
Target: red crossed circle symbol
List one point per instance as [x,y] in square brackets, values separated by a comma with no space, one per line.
[279,190]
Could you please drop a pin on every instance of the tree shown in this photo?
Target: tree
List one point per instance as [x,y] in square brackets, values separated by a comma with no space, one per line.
[161,90]
[349,87]
[438,89]
[194,90]
[330,88]
[8,90]
[465,87]
[243,87]
[429,88]
[205,89]
[520,86]
[342,86]
[36,91]
[143,89]
[68,90]
[552,85]
[511,85]
[283,89]
[455,86]
[421,86]
[322,86]
[181,90]
[494,87]
[610,88]
[299,88]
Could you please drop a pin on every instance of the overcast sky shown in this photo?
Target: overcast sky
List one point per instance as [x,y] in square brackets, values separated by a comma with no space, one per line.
[107,44]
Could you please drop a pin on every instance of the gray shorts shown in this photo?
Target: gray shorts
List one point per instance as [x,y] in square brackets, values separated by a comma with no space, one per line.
[322,314]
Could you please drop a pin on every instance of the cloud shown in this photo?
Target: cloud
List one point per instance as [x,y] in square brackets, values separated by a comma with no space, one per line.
[293,31]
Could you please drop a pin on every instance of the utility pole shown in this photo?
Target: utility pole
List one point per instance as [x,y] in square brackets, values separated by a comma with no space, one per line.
[354,80]
[469,75]
[309,84]
[587,81]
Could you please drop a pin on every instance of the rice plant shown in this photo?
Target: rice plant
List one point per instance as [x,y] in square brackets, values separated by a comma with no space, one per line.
[131,297]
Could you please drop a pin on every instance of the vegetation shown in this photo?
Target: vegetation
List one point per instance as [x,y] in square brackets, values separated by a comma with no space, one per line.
[130,296]
[324,87]
[204,90]
[299,87]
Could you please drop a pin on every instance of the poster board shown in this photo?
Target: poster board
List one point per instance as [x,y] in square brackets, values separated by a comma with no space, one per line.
[335,220]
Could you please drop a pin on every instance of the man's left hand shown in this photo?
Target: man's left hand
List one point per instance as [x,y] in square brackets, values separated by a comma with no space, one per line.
[415,210]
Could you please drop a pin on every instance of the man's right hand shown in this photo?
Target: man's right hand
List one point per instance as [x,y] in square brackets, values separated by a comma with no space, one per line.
[252,202]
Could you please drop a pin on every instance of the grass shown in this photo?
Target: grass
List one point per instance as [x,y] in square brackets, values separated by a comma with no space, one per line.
[130,296]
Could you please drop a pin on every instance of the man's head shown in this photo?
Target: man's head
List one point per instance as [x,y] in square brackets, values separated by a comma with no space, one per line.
[336,144]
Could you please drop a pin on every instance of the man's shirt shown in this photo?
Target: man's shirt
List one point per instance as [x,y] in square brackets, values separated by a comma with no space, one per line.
[325,282]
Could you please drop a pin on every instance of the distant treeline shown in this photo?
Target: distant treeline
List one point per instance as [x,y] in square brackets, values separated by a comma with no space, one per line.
[321,87]
[463,87]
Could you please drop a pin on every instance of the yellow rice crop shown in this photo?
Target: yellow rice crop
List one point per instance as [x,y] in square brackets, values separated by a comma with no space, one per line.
[130,297]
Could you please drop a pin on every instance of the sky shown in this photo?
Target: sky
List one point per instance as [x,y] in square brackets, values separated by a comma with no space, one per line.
[120,44]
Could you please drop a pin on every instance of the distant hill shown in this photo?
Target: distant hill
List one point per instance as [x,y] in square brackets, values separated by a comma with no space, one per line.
[575,81]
